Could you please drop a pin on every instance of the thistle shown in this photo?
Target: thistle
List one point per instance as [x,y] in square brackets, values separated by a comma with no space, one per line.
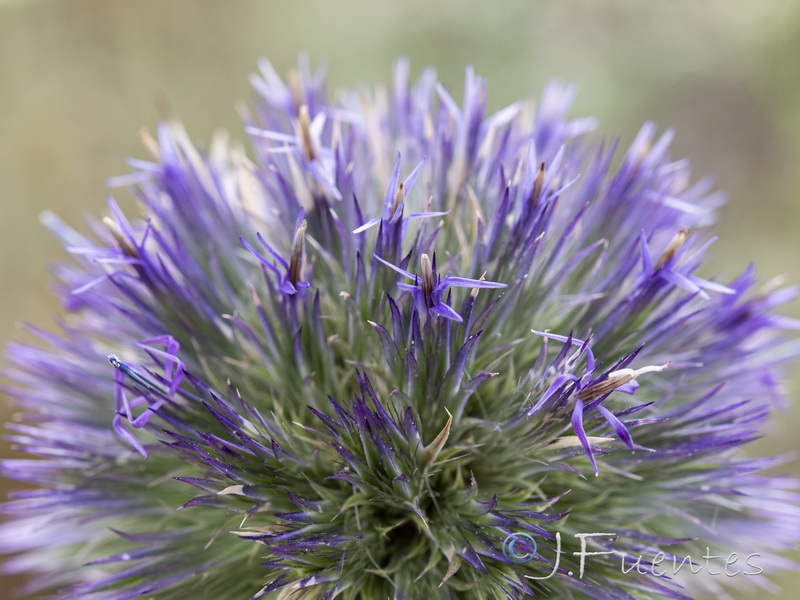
[401,348]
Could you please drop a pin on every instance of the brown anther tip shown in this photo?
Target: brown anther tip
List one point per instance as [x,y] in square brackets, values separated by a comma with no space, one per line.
[537,185]
[399,196]
[675,244]
[305,132]
[604,387]
[426,276]
[124,244]
[616,379]
[298,253]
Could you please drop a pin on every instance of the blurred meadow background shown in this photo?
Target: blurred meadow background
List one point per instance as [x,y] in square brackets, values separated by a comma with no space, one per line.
[80,78]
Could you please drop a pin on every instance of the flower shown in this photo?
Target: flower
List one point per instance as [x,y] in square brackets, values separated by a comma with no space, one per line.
[428,289]
[274,423]
[289,282]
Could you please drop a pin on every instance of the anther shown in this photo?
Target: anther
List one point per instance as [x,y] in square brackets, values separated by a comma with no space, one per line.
[616,379]
[127,248]
[297,258]
[305,132]
[428,282]
[399,196]
[537,186]
[675,244]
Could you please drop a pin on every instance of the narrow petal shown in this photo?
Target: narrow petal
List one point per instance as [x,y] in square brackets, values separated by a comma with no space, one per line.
[577,426]
[394,268]
[470,283]
[443,310]
[617,425]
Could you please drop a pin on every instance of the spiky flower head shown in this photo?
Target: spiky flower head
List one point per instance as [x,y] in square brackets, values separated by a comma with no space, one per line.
[401,348]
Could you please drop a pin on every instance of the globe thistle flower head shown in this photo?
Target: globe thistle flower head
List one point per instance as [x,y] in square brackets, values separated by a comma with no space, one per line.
[277,381]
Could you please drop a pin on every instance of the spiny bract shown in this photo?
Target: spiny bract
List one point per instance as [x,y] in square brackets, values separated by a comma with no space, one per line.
[352,361]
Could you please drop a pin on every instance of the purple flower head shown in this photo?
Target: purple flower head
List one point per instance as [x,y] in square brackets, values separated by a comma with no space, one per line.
[220,418]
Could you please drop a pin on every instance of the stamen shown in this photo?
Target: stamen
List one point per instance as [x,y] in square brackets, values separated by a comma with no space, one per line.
[298,254]
[616,379]
[537,186]
[675,244]
[139,380]
[428,282]
[122,241]
[305,132]
[399,196]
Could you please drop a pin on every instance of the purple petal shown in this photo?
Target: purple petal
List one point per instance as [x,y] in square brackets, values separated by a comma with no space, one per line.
[469,283]
[577,426]
[394,268]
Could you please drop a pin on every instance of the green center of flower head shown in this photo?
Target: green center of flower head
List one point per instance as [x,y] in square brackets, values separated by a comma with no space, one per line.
[521,390]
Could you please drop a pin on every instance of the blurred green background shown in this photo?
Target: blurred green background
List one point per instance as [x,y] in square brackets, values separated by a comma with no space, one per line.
[79,78]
